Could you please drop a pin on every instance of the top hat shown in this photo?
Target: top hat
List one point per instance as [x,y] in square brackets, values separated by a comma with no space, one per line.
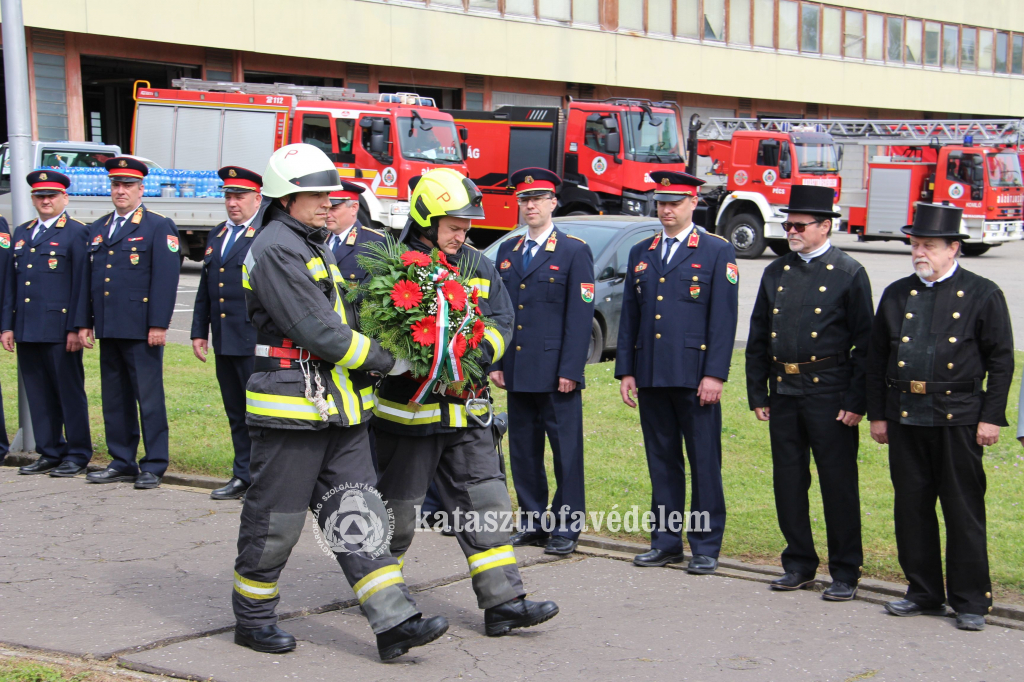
[936,220]
[813,200]
[674,186]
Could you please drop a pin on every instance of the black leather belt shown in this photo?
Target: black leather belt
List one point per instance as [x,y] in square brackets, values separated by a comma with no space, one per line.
[814,366]
[923,387]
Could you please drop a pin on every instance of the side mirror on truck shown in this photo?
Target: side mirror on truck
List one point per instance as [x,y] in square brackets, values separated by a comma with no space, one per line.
[611,143]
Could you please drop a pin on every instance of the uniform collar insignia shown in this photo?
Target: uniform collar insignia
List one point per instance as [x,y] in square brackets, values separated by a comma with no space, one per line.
[552,241]
[518,244]
[137,218]
[654,244]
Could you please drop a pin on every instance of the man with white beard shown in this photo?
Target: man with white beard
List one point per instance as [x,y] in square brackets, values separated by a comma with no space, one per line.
[938,335]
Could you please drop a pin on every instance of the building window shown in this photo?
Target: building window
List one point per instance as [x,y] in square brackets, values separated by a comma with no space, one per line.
[475,101]
[832,31]
[631,15]
[950,45]
[659,17]
[810,18]
[968,48]
[586,12]
[1017,58]
[789,24]
[714,20]
[558,10]
[51,96]
[523,8]
[764,23]
[875,36]
[739,22]
[853,35]
[894,39]
[688,18]
[985,51]
[912,54]
[932,41]
[1002,43]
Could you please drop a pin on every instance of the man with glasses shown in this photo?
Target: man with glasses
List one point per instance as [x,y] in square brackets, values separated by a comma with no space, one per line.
[220,306]
[676,336]
[550,278]
[806,354]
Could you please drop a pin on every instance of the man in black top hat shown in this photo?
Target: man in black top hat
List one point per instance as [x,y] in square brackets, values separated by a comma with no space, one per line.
[806,355]
[938,335]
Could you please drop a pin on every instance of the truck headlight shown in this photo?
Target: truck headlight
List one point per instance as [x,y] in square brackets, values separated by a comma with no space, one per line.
[633,206]
[400,208]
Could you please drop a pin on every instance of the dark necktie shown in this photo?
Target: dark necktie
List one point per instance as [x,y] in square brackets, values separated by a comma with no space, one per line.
[669,241]
[230,239]
[118,224]
[528,253]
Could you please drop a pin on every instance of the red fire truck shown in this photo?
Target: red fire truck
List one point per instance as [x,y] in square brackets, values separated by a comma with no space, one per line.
[378,141]
[604,150]
[755,163]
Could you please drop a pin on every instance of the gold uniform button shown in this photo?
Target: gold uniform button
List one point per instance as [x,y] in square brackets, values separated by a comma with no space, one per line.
[657,336]
[786,268]
[949,416]
[813,358]
[518,326]
[352,275]
[906,339]
[780,288]
[520,306]
[703,347]
[146,300]
[33,250]
[775,358]
[222,269]
[662,280]
[110,253]
[901,364]
[551,279]
[522,286]
[949,392]
[952,339]
[64,310]
[222,300]
[779,378]
[814,335]
[773,335]
[988,595]
[960,294]
[694,278]
[829,266]
[220,285]
[910,316]
[660,297]
[658,316]
[903,414]
[29,266]
[817,311]
[990,609]
[956,316]
[53,253]
[27,300]
[775,312]
[28,283]
[105,293]
[519,347]
[106,279]
[949,366]
[134,249]
[109,265]
[822,289]
[913,292]
[815,379]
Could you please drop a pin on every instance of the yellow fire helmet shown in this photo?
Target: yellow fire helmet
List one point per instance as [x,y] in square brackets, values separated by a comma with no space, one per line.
[439,193]
[298,168]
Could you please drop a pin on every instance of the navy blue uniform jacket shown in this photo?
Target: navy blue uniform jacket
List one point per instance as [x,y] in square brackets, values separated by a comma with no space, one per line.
[553,300]
[133,280]
[46,281]
[346,253]
[6,290]
[678,321]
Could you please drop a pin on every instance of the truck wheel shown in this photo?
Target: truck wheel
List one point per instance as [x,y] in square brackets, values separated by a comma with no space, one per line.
[975,249]
[779,246]
[596,348]
[746,232]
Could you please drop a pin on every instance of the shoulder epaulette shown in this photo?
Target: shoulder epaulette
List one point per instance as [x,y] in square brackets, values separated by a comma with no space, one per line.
[370,229]
[717,235]
[643,240]
[471,247]
[572,236]
[160,214]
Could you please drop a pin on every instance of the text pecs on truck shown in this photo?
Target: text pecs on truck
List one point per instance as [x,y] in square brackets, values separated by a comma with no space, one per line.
[604,150]
[377,140]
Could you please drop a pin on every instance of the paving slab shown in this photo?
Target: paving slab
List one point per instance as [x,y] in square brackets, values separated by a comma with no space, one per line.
[91,569]
[620,622]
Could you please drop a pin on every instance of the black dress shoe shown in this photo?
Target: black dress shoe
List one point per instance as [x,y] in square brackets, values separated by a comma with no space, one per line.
[791,581]
[147,481]
[67,470]
[235,488]
[840,591]
[970,621]
[416,631]
[517,613]
[905,607]
[559,545]
[269,639]
[526,538]
[657,557]
[109,475]
[702,564]
[40,466]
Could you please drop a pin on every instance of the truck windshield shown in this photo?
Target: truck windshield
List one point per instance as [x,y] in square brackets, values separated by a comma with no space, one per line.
[438,144]
[817,158]
[652,142]
[1003,169]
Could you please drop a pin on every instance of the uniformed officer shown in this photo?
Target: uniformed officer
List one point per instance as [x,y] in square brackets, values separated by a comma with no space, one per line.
[220,305]
[128,299]
[307,404]
[807,346]
[676,336]
[550,278]
[940,364]
[447,438]
[6,293]
[47,279]
[348,235]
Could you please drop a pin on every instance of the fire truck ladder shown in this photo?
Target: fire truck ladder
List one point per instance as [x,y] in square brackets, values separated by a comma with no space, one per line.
[883,132]
[304,92]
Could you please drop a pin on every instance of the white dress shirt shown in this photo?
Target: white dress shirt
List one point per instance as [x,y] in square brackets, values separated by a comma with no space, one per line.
[540,240]
[232,226]
[43,225]
[808,257]
[940,279]
[683,236]
[117,217]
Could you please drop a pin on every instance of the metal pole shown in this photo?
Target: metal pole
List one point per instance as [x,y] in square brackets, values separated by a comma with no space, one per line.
[19,139]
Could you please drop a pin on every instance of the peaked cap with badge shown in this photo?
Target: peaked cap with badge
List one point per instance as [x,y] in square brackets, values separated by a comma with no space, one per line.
[238,179]
[674,186]
[533,181]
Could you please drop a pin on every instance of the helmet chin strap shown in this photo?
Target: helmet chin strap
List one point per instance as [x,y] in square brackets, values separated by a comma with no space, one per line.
[412,227]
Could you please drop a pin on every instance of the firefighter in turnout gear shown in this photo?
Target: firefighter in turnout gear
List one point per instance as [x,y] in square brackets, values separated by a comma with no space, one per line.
[449,438]
[307,405]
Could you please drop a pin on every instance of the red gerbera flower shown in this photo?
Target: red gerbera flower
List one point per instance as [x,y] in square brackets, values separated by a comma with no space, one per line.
[459,345]
[416,258]
[455,294]
[477,311]
[444,261]
[478,334]
[424,331]
[475,296]
[406,294]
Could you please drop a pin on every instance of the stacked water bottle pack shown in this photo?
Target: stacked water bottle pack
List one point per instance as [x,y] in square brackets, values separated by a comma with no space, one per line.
[160,182]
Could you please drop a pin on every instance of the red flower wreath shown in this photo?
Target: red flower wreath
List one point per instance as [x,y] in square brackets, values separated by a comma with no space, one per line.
[424,330]
[455,294]
[460,345]
[406,294]
[416,258]
[478,333]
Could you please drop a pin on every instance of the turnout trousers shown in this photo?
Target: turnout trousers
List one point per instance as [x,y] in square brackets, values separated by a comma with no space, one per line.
[132,383]
[670,417]
[944,462]
[560,416]
[233,372]
[464,465]
[55,388]
[799,427]
[329,473]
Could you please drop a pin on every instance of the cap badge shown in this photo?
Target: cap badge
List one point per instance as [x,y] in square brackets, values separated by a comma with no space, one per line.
[666,182]
[42,176]
[122,163]
[528,179]
[232,173]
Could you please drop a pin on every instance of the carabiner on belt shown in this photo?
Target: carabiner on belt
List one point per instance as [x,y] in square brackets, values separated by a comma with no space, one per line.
[484,400]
